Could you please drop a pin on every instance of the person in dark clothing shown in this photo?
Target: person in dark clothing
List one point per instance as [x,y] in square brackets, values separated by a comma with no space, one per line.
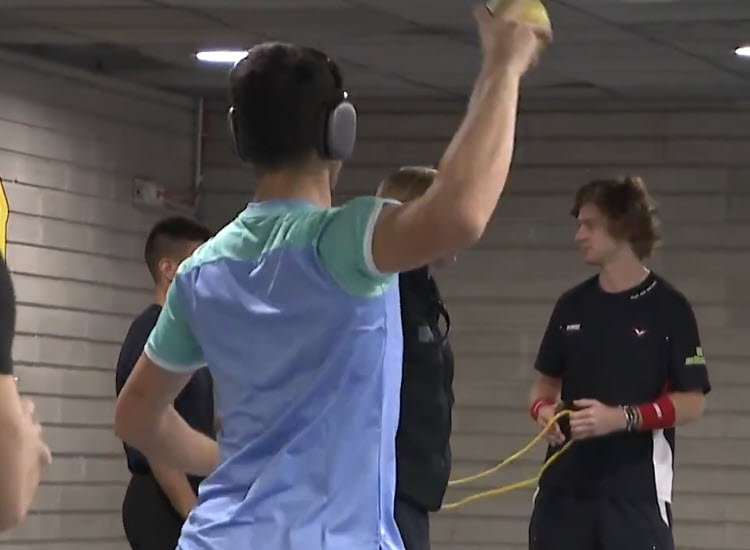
[622,351]
[423,453]
[23,454]
[159,498]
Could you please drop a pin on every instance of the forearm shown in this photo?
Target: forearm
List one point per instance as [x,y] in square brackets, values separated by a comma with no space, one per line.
[169,440]
[475,166]
[453,214]
[20,475]
[545,388]
[665,412]
[176,486]
[688,406]
[544,395]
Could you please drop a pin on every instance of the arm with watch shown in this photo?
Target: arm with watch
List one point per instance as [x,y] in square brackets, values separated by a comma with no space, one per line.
[591,418]
[687,378]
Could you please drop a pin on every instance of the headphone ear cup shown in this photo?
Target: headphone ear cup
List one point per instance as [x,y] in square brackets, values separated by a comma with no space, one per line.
[240,146]
[340,132]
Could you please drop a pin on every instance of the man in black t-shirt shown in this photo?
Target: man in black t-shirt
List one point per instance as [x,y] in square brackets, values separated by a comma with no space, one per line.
[159,498]
[23,454]
[622,350]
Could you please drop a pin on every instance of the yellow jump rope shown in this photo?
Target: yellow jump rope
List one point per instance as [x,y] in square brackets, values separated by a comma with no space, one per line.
[513,486]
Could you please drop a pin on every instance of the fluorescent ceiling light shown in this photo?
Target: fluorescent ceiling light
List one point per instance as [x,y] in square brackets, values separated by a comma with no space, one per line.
[743,51]
[221,56]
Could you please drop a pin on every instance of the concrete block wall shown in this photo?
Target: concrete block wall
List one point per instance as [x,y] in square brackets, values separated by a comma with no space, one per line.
[70,146]
[696,162]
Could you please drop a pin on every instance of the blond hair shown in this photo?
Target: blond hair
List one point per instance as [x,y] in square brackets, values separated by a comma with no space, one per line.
[407,183]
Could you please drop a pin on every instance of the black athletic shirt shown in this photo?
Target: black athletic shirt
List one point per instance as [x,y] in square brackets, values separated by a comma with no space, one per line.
[195,403]
[7,319]
[624,348]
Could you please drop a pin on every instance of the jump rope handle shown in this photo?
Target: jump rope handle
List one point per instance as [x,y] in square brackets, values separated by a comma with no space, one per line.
[563,421]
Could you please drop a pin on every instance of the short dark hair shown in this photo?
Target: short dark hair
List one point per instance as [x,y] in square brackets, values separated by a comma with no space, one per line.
[630,211]
[280,93]
[169,234]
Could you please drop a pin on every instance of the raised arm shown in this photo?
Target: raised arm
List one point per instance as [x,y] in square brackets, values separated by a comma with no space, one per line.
[455,211]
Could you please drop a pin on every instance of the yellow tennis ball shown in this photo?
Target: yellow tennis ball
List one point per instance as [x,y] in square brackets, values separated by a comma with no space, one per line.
[532,11]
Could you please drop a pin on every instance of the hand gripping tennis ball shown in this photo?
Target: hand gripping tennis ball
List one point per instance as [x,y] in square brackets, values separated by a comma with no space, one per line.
[531,11]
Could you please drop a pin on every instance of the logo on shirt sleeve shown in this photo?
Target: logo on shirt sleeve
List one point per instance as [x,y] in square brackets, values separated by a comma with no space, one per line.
[697,359]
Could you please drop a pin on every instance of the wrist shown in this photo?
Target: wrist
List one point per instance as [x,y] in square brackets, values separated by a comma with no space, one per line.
[494,71]
[657,415]
[630,419]
[538,404]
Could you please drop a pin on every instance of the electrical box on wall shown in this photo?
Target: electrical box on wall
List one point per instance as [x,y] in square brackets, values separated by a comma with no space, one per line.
[147,193]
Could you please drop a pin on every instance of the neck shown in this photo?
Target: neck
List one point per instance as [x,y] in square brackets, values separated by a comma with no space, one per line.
[160,294]
[312,184]
[623,272]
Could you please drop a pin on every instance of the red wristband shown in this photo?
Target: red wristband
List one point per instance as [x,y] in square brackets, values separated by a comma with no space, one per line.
[538,403]
[657,415]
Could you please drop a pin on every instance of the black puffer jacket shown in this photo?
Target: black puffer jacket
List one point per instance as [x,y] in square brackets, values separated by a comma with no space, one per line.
[423,451]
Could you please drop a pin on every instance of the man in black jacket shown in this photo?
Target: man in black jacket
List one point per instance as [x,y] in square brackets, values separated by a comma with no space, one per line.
[423,455]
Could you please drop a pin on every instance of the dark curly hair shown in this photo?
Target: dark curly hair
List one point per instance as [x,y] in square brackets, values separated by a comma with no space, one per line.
[630,211]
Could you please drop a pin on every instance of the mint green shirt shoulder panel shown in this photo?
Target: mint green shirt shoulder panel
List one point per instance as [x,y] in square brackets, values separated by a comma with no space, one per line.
[344,246]
[341,238]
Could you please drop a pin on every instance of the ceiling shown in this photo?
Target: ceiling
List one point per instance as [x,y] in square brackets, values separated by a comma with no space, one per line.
[413,49]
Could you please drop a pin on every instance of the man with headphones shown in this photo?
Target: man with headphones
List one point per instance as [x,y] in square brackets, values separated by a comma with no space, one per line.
[294,307]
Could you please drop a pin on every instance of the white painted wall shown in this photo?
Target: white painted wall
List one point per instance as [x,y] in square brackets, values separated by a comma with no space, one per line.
[697,163]
[70,146]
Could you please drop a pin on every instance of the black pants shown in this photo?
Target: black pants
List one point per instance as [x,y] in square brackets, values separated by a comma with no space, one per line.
[148,517]
[413,524]
[562,521]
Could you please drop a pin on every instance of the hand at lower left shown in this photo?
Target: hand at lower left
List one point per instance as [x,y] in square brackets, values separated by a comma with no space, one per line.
[593,419]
